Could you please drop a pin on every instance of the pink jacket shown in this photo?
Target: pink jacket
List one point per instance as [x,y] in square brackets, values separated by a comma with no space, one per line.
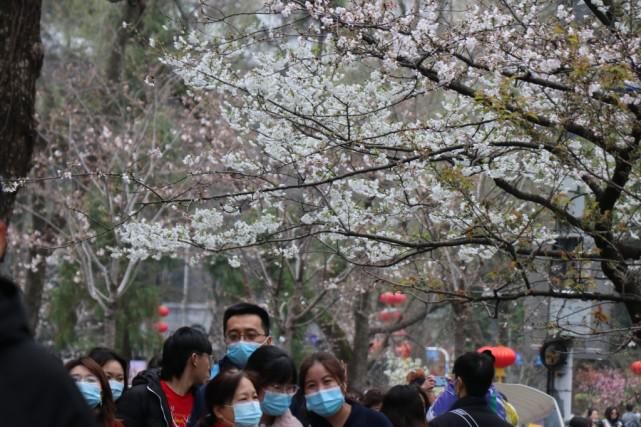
[285,420]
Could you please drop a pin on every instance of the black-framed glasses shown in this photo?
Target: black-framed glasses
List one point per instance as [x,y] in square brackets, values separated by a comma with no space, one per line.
[233,336]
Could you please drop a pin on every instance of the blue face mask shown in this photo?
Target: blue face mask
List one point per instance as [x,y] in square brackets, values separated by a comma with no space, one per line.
[116,389]
[240,351]
[247,414]
[91,393]
[325,402]
[276,404]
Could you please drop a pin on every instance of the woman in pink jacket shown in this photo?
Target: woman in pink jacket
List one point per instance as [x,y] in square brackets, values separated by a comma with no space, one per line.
[273,373]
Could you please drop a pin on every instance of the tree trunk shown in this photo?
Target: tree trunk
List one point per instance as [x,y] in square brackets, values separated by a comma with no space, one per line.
[132,15]
[110,326]
[21,54]
[460,313]
[357,366]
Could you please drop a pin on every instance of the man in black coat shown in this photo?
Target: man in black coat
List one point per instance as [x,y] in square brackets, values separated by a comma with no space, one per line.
[165,397]
[473,375]
[35,389]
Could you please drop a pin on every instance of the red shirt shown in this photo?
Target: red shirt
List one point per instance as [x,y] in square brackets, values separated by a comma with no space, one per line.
[180,406]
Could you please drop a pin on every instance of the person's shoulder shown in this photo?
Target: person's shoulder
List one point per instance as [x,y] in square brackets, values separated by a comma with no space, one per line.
[362,414]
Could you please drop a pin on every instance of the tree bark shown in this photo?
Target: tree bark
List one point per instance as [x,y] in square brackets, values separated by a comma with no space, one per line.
[357,366]
[132,15]
[21,55]
[110,326]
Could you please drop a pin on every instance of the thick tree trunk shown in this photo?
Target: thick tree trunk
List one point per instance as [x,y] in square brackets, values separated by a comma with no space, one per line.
[357,367]
[21,54]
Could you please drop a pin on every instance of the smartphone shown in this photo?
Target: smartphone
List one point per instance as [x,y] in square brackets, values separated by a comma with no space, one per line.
[440,382]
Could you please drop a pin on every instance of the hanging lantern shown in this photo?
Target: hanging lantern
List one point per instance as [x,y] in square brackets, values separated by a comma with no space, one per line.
[399,298]
[161,327]
[636,367]
[389,315]
[386,298]
[163,310]
[392,298]
[504,356]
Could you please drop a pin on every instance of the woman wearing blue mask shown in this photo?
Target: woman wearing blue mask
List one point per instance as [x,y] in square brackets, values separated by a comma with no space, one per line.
[231,401]
[115,368]
[274,375]
[94,387]
[323,382]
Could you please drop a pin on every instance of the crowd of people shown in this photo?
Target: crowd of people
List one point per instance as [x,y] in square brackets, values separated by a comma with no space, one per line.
[253,384]
[611,418]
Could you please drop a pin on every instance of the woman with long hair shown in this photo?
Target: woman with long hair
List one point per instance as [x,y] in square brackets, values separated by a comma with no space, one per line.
[94,387]
[115,368]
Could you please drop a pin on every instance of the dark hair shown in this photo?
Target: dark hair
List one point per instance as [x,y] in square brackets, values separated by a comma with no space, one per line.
[372,397]
[107,409]
[629,407]
[608,412]
[329,362]
[580,422]
[219,392]
[590,410]
[243,308]
[270,365]
[178,349]
[154,362]
[404,406]
[103,355]
[476,370]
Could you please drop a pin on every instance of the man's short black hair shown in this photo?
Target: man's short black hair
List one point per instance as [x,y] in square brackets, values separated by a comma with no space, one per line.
[476,370]
[629,407]
[178,349]
[243,308]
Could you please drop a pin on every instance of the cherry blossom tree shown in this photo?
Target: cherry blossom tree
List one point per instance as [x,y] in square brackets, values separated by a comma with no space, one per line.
[493,129]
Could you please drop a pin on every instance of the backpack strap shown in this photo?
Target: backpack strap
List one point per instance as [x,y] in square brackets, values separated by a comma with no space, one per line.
[471,422]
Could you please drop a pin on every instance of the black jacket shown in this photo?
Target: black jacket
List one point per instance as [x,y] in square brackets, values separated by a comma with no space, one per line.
[359,415]
[145,404]
[35,389]
[469,411]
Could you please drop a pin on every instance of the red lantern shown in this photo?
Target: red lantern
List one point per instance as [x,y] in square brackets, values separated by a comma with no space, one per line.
[636,367]
[163,310]
[161,327]
[399,298]
[504,356]
[392,298]
[389,315]
[386,298]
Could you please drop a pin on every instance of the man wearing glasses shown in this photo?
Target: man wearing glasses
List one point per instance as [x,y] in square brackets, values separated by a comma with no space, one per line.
[245,328]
